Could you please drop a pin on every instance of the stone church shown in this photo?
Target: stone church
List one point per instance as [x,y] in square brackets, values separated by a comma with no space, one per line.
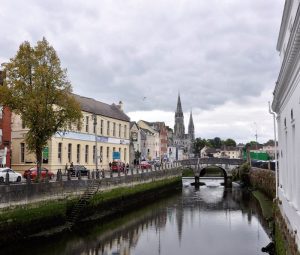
[180,139]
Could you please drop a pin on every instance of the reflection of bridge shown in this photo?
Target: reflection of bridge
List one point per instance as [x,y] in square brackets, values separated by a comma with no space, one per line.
[225,165]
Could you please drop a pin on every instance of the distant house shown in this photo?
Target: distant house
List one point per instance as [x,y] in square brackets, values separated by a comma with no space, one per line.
[230,152]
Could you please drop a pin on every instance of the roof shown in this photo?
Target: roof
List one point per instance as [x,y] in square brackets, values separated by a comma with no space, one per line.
[93,106]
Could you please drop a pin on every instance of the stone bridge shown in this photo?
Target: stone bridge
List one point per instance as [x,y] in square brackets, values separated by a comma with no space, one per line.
[226,165]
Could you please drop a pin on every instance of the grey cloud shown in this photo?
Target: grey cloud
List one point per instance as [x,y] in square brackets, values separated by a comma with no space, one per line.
[212,51]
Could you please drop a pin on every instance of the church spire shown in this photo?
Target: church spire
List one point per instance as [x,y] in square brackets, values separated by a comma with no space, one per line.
[179,108]
[179,120]
[191,128]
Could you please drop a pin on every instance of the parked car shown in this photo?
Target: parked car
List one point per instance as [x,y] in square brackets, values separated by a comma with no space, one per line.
[13,176]
[145,165]
[117,166]
[78,168]
[33,173]
[155,163]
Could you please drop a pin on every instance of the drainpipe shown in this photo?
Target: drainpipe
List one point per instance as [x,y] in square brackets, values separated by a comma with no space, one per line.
[275,148]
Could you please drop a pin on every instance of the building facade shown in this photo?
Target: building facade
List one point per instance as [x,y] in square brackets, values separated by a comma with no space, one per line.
[152,142]
[5,133]
[180,139]
[104,130]
[286,106]
[135,143]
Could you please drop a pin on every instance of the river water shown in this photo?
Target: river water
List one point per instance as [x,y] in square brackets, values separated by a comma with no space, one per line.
[210,221]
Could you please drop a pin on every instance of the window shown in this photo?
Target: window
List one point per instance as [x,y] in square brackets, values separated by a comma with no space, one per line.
[59,152]
[23,124]
[125,131]
[94,154]
[70,152]
[292,115]
[78,125]
[86,154]
[114,149]
[101,153]
[87,124]
[78,153]
[114,129]
[108,127]
[22,152]
[101,127]
[107,152]
[120,127]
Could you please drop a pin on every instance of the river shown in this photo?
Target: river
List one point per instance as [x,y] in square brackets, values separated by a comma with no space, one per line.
[210,221]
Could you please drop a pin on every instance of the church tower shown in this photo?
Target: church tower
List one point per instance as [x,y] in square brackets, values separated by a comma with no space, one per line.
[179,120]
[191,130]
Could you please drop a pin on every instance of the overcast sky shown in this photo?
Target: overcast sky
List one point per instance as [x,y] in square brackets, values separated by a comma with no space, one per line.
[220,55]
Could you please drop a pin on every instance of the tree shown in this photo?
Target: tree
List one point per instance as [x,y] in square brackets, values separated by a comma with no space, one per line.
[37,88]
[229,142]
[199,144]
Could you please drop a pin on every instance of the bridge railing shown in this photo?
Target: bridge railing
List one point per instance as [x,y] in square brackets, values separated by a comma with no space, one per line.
[212,161]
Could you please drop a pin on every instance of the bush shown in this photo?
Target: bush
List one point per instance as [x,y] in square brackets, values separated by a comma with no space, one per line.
[244,174]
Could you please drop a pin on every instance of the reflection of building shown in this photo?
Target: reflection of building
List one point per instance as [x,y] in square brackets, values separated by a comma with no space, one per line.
[77,145]
[181,139]
[286,105]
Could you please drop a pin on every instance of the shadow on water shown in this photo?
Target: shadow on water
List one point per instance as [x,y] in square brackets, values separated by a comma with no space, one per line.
[212,219]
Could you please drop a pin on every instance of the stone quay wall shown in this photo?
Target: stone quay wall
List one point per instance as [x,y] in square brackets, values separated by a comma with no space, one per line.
[19,194]
[263,180]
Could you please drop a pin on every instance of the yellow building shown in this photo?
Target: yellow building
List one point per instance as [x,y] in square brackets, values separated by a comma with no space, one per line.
[78,144]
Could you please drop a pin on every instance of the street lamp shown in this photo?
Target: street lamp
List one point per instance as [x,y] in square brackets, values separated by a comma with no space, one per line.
[96,142]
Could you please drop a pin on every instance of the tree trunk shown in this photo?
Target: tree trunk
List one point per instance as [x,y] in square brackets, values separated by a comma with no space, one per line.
[39,158]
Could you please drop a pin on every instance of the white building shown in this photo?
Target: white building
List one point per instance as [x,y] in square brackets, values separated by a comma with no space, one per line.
[286,105]
[152,142]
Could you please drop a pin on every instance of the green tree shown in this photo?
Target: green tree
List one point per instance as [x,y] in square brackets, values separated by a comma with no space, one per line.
[199,144]
[229,142]
[37,88]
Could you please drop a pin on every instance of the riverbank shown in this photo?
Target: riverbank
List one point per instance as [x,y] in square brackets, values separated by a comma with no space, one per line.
[21,222]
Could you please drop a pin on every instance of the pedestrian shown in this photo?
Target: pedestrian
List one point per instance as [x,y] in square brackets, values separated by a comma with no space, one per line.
[109,165]
[66,168]
[71,166]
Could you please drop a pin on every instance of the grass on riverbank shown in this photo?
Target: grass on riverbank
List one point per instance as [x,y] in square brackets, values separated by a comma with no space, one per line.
[266,204]
[20,221]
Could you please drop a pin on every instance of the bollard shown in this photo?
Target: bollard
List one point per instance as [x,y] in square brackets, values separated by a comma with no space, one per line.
[79,175]
[7,178]
[103,174]
[137,170]
[57,175]
[97,174]
[142,169]
[89,174]
[28,179]
[69,175]
[47,177]
[93,174]
[131,170]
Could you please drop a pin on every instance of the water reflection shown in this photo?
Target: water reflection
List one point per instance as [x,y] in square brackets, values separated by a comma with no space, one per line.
[212,220]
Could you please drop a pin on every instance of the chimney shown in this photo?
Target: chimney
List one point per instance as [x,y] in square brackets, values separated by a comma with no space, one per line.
[120,106]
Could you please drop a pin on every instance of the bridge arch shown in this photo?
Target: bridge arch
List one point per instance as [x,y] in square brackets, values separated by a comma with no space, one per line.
[203,170]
